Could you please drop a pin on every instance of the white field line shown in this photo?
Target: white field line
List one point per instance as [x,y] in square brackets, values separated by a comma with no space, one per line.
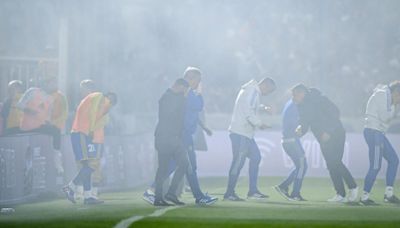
[127,222]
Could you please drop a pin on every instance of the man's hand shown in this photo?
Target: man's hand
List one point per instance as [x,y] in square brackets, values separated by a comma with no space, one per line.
[325,137]
[267,109]
[299,131]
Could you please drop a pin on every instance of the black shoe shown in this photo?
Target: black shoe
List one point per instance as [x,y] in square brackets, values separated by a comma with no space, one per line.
[393,199]
[232,197]
[92,201]
[172,198]
[162,203]
[368,202]
[297,198]
[257,196]
[283,192]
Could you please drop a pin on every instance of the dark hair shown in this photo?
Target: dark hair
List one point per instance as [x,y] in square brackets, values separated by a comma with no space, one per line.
[182,82]
[268,80]
[113,98]
[299,88]
[395,86]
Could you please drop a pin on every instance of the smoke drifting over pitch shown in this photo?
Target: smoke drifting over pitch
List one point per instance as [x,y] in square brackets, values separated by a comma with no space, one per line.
[139,47]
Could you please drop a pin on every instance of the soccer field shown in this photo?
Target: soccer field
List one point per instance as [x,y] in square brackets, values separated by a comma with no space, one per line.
[273,212]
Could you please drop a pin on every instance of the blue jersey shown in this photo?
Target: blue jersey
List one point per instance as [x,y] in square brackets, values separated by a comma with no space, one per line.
[290,120]
[194,105]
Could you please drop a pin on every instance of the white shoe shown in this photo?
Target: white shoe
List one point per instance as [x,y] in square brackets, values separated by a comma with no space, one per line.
[79,192]
[95,192]
[353,195]
[338,199]
[150,191]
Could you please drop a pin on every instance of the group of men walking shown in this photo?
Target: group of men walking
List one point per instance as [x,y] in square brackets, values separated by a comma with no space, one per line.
[308,109]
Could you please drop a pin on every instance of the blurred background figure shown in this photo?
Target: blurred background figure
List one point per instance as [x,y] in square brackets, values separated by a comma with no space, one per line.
[37,107]
[59,108]
[10,114]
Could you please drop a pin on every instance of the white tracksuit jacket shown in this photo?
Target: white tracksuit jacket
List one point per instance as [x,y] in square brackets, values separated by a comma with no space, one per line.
[245,118]
[380,110]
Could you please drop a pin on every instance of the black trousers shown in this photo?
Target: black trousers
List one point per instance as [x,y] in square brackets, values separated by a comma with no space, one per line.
[333,151]
[170,149]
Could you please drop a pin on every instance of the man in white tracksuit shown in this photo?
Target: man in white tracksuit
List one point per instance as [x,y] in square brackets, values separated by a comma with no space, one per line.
[244,122]
[382,107]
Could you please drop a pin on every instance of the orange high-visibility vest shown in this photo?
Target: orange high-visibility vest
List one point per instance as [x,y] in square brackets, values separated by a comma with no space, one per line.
[35,104]
[91,116]
[59,111]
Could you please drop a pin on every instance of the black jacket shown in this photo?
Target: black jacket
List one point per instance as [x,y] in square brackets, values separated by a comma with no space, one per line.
[320,114]
[171,109]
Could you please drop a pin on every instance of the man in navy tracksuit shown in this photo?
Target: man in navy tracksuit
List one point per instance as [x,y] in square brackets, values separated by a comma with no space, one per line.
[194,105]
[292,146]
[380,111]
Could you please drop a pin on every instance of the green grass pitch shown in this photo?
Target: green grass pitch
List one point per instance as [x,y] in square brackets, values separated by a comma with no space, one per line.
[273,212]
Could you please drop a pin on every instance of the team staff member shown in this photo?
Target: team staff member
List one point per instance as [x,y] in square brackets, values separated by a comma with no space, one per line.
[245,121]
[37,105]
[59,108]
[292,145]
[381,110]
[194,105]
[90,119]
[323,117]
[168,140]
[10,113]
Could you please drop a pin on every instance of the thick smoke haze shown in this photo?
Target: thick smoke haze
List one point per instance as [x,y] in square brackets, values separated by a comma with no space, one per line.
[137,48]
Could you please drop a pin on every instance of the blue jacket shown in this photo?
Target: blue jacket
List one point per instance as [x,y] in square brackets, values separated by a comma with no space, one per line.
[290,120]
[194,105]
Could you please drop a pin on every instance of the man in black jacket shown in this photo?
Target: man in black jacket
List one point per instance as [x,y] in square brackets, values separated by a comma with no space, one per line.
[322,116]
[168,139]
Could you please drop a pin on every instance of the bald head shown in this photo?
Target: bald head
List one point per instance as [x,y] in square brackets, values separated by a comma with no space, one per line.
[87,87]
[193,76]
[15,87]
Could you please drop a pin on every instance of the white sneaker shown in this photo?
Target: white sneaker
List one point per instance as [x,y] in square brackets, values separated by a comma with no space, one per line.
[79,192]
[338,199]
[150,191]
[353,195]
[95,192]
